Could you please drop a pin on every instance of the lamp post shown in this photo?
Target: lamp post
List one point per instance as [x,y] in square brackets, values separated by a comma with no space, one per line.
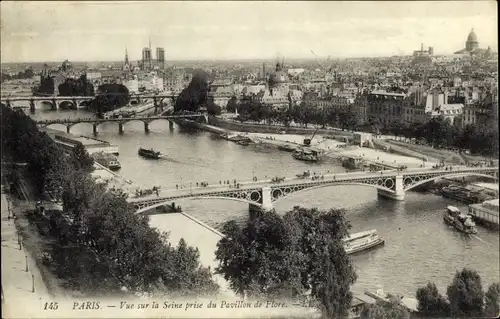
[181,183]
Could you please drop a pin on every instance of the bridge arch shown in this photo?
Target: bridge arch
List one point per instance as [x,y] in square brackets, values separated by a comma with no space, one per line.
[409,186]
[143,208]
[40,103]
[71,104]
[311,188]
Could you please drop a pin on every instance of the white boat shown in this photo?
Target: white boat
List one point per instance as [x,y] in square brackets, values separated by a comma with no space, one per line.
[463,222]
[362,241]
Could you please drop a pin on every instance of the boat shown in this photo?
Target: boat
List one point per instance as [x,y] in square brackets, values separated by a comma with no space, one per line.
[244,142]
[287,147]
[307,155]
[463,222]
[107,160]
[150,153]
[361,241]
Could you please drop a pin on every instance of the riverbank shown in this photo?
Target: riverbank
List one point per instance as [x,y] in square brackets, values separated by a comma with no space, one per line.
[271,129]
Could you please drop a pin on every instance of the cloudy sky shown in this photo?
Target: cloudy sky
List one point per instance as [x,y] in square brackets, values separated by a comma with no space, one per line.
[100,31]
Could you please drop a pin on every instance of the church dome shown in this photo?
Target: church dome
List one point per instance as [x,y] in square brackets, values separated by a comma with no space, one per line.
[279,76]
[472,36]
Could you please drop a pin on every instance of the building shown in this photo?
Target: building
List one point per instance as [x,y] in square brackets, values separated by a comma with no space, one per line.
[423,57]
[148,64]
[385,108]
[472,48]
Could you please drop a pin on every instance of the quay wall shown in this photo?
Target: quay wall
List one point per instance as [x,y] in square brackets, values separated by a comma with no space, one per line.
[270,129]
[398,149]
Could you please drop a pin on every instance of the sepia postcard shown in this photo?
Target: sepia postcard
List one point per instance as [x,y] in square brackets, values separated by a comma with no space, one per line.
[249,159]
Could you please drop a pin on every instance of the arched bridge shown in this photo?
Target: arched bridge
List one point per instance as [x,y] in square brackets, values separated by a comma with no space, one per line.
[83,101]
[391,184]
[121,121]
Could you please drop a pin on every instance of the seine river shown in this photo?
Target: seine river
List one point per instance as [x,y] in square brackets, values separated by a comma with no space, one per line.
[419,246]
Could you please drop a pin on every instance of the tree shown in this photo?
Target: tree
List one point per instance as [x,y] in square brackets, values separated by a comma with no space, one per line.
[81,159]
[301,252]
[195,94]
[430,302]
[109,97]
[231,104]
[492,301]
[384,310]
[465,294]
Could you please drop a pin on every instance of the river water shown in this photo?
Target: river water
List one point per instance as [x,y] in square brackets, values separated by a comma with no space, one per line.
[419,246]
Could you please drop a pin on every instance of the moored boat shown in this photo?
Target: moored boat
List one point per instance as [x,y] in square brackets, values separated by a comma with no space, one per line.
[150,153]
[306,154]
[107,160]
[244,142]
[362,241]
[462,222]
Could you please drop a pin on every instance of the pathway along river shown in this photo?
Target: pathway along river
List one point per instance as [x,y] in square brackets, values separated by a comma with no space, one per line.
[419,246]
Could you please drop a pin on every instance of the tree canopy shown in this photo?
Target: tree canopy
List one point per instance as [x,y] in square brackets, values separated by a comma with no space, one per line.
[109,97]
[384,310]
[290,256]
[465,298]
[99,244]
[195,94]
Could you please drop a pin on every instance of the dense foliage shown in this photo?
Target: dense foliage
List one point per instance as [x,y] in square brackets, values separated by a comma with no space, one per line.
[291,256]
[110,97]
[76,87]
[195,94]
[99,244]
[384,310]
[465,298]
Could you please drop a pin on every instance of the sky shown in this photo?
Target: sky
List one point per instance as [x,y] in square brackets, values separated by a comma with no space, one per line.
[100,31]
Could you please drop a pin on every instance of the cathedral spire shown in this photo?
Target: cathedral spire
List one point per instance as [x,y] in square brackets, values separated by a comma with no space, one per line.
[126,56]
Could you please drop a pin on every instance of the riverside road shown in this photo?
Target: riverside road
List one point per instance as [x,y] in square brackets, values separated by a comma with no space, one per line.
[416,238]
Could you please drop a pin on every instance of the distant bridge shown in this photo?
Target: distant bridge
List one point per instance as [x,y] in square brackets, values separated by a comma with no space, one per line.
[76,102]
[391,184]
[121,121]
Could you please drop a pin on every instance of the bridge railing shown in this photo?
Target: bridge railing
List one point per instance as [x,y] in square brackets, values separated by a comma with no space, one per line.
[192,188]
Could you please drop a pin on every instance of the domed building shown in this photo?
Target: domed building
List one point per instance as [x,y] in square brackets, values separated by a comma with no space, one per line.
[472,47]
[278,80]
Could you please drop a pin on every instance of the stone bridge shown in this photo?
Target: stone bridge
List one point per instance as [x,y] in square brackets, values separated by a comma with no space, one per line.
[263,194]
[76,102]
[121,121]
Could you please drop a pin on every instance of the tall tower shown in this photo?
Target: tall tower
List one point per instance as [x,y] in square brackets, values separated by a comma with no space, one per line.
[126,56]
[150,57]
[160,57]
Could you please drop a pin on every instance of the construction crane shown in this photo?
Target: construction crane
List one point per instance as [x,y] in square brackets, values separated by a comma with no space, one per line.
[319,64]
[307,141]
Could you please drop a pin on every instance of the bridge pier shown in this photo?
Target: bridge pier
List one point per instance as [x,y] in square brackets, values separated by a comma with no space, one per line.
[68,128]
[399,193]
[120,128]
[8,104]
[55,106]
[171,125]
[146,127]
[32,106]
[95,129]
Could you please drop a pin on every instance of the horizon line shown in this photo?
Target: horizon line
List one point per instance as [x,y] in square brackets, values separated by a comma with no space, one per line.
[320,58]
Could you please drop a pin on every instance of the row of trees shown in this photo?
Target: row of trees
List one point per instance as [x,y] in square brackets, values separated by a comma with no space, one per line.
[305,114]
[441,133]
[299,254]
[465,298]
[99,243]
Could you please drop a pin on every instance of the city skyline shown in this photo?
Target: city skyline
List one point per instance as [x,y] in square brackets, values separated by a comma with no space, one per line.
[93,31]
